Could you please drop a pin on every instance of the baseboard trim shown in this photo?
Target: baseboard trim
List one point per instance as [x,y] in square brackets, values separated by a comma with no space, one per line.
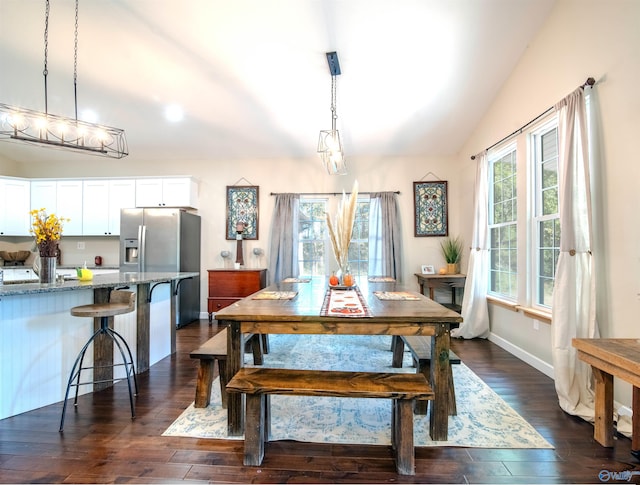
[523,355]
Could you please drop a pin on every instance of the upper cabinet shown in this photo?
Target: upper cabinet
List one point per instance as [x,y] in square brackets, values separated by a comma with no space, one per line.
[62,198]
[101,204]
[167,192]
[14,213]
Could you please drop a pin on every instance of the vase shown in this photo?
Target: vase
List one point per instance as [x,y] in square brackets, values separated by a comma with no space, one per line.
[452,268]
[47,270]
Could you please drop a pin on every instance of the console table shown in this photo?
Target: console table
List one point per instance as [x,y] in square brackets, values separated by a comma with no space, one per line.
[227,286]
[609,358]
[433,281]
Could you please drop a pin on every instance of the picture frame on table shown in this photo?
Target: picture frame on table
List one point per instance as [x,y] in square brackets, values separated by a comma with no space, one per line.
[428,269]
[242,206]
[431,209]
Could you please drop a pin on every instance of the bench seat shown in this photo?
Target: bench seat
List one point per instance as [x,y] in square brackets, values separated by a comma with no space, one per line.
[259,383]
[215,349]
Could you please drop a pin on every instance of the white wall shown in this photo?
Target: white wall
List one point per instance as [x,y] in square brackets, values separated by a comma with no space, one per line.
[581,38]
[273,176]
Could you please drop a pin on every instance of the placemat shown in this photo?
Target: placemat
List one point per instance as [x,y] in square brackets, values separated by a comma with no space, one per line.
[395,295]
[275,295]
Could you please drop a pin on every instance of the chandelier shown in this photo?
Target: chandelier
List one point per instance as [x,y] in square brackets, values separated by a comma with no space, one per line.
[329,144]
[25,125]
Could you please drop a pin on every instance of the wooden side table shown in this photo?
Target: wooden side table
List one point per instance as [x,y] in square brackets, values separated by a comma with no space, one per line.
[433,281]
[609,358]
[227,286]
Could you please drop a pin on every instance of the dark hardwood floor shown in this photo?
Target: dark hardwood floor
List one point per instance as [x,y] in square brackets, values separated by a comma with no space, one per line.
[101,444]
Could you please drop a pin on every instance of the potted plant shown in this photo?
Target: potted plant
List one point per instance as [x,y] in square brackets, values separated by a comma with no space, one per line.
[452,252]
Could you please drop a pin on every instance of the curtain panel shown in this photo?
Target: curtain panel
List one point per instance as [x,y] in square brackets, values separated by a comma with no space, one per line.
[475,312]
[283,252]
[574,295]
[385,241]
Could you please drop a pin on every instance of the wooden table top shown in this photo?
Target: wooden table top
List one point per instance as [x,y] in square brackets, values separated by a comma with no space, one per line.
[307,305]
[620,353]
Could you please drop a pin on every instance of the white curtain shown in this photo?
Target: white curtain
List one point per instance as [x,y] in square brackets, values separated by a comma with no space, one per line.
[574,296]
[474,312]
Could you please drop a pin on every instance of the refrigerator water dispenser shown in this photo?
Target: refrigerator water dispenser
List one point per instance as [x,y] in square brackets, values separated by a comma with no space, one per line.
[131,251]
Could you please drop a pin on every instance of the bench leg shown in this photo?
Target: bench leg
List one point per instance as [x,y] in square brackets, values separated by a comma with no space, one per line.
[402,436]
[222,370]
[256,347]
[453,410]
[265,342]
[204,383]
[423,368]
[254,429]
[397,347]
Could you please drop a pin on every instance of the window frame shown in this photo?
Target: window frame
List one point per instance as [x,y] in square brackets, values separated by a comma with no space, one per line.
[536,215]
[494,156]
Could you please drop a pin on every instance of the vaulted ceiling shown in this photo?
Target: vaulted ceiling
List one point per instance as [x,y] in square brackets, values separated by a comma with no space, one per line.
[251,76]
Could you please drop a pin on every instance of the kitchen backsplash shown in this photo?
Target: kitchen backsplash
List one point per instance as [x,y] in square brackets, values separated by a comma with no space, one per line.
[75,250]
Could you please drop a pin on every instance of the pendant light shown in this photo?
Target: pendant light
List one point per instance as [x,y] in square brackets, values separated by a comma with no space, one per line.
[25,125]
[329,144]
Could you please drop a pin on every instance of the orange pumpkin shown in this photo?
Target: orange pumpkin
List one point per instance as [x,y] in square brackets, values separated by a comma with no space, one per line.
[348,279]
[333,280]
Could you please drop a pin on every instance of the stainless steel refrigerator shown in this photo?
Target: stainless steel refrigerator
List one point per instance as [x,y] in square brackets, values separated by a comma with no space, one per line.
[164,240]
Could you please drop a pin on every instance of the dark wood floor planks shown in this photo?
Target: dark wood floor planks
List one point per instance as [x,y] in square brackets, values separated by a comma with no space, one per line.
[101,444]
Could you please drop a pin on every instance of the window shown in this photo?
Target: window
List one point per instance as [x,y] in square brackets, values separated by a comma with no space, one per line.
[359,247]
[312,239]
[315,255]
[503,210]
[546,217]
[524,219]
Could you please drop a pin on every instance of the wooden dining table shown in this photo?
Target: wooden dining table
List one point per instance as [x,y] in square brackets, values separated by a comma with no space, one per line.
[303,314]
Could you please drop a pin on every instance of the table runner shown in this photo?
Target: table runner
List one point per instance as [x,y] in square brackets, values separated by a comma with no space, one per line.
[344,303]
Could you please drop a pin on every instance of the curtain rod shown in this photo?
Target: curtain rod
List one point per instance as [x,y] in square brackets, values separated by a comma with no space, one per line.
[589,82]
[331,193]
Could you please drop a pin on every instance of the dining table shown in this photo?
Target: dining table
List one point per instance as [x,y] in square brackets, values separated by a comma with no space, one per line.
[304,306]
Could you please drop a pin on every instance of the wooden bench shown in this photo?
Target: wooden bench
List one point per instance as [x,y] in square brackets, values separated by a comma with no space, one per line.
[215,349]
[259,383]
[420,348]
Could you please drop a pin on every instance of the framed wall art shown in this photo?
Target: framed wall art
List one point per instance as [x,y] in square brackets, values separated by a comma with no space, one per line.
[242,207]
[430,208]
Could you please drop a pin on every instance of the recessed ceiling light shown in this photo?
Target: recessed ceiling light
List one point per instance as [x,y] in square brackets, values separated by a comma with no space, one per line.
[174,113]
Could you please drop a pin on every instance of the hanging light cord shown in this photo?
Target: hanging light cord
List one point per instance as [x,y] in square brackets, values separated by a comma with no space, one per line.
[75,64]
[334,114]
[46,53]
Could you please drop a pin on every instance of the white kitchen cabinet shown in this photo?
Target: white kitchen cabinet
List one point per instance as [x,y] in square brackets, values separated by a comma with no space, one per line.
[167,192]
[14,212]
[102,201]
[62,198]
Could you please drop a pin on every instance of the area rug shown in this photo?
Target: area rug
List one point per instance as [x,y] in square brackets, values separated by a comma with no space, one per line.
[483,420]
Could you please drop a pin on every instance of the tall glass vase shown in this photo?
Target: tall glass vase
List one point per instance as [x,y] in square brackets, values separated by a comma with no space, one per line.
[47,270]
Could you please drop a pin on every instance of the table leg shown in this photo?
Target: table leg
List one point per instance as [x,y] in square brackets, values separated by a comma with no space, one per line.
[439,416]
[635,428]
[143,328]
[603,424]
[235,414]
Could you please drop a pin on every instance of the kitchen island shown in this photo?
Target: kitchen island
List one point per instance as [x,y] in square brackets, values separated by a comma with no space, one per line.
[39,339]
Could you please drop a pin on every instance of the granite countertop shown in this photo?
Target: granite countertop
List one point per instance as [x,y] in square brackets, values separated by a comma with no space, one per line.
[110,280]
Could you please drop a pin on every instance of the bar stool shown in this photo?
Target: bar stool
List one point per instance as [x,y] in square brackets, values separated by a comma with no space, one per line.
[120,302]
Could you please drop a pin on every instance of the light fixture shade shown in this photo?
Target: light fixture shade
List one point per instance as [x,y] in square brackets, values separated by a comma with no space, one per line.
[20,124]
[330,150]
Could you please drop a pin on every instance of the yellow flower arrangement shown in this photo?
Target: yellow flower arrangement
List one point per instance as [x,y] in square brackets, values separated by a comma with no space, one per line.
[47,229]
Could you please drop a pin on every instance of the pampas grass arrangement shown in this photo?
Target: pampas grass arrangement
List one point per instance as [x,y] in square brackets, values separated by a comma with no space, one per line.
[341,228]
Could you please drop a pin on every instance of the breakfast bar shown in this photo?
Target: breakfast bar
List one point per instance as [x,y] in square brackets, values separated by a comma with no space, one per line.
[39,339]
